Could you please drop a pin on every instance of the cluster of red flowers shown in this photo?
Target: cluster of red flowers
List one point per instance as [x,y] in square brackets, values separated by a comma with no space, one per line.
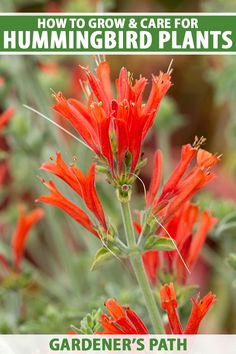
[84,186]
[123,320]
[183,183]
[115,127]
[175,212]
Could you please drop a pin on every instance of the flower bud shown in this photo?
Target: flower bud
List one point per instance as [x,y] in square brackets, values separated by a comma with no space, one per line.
[123,193]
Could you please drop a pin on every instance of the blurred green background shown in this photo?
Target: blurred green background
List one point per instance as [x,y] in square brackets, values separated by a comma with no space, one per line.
[56,288]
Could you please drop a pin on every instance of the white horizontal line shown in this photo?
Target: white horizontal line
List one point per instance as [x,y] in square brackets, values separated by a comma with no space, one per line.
[117,53]
[133,14]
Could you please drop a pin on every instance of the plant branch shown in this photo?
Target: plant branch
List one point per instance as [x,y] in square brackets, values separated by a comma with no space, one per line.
[138,267]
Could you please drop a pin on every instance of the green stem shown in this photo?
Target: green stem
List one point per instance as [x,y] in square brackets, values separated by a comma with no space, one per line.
[137,264]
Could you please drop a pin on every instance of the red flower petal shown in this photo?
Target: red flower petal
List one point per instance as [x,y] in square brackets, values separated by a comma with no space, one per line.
[206,223]
[188,152]
[58,200]
[136,321]
[123,320]
[160,86]
[103,73]
[205,159]
[169,304]
[91,197]
[80,122]
[98,89]
[81,184]
[199,310]
[156,179]
[109,326]
[115,309]
[60,169]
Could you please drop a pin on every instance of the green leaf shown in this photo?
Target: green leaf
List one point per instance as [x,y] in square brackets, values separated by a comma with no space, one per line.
[159,243]
[102,256]
[90,323]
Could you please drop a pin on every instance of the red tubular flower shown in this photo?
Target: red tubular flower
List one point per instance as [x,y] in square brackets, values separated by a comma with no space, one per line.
[151,261]
[124,118]
[169,304]
[78,115]
[191,244]
[175,212]
[6,116]
[185,194]
[160,86]
[123,320]
[25,223]
[206,224]
[187,154]
[199,310]
[83,185]
[58,200]
[183,183]
[156,179]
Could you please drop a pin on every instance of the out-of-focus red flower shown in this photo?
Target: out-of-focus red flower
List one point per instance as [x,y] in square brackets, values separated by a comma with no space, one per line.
[76,85]
[2,81]
[48,67]
[122,320]
[5,117]
[83,185]
[199,310]
[115,127]
[25,223]
[53,6]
